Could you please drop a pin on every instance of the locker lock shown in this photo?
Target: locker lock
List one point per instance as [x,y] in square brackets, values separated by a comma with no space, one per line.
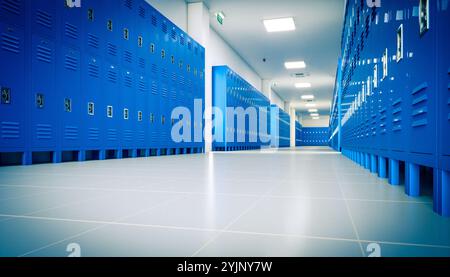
[91,108]
[68,105]
[109,25]
[152,118]
[109,111]
[6,95]
[90,14]
[424,16]
[40,101]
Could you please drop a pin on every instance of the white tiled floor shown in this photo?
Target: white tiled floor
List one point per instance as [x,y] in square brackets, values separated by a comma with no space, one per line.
[302,202]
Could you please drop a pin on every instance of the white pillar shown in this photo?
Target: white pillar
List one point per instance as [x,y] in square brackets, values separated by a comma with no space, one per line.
[267,89]
[293,119]
[198,29]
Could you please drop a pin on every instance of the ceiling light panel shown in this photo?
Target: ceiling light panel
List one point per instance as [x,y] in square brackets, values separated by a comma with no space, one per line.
[295,65]
[279,25]
[302,85]
[307,97]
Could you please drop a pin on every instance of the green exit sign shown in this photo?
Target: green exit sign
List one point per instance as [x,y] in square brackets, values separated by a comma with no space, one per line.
[220,17]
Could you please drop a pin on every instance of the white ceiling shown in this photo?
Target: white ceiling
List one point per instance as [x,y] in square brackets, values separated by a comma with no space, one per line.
[316,41]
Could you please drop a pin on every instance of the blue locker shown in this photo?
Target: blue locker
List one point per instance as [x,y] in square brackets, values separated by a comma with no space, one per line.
[44,106]
[93,68]
[164,112]
[190,91]
[182,98]
[109,110]
[13,86]
[143,72]
[68,68]
[127,94]
[155,59]
[43,96]
[172,54]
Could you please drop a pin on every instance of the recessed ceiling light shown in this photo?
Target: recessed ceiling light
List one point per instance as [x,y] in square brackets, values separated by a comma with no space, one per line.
[314,115]
[279,25]
[307,97]
[310,105]
[302,85]
[295,65]
[316,118]
[313,110]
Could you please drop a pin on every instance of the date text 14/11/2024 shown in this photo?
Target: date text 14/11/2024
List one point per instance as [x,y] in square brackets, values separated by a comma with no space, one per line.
[232,267]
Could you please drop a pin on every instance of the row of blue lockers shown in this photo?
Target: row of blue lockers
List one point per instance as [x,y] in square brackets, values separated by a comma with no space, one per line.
[243,117]
[105,76]
[394,82]
[314,136]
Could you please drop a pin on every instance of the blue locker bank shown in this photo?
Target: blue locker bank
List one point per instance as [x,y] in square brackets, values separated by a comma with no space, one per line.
[393,79]
[94,82]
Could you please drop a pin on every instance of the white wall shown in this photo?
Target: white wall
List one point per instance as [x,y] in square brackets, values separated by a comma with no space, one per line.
[220,52]
[175,10]
[322,122]
[223,54]
[276,99]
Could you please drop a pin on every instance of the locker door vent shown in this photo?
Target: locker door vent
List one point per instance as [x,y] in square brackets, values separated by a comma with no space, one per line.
[111,135]
[71,31]
[10,43]
[93,41]
[111,49]
[71,133]
[44,19]
[12,6]
[419,106]
[71,63]
[43,131]
[10,130]
[93,134]
[93,70]
[44,54]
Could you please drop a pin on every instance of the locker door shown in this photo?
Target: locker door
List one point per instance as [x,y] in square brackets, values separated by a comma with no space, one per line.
[92,103]
[44,123]
[13,114]
[69,104]
[12,12]
[155,62]
[108,109]
[142,72]
[422,97]
[164,116]
[182,87]
[190,88]
[443,43]
[172,55]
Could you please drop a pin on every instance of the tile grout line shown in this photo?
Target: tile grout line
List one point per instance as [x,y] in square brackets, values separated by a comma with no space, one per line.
[349,213]
[251,207]
[114,223]
[102,225]
[222,194]
[66,205]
